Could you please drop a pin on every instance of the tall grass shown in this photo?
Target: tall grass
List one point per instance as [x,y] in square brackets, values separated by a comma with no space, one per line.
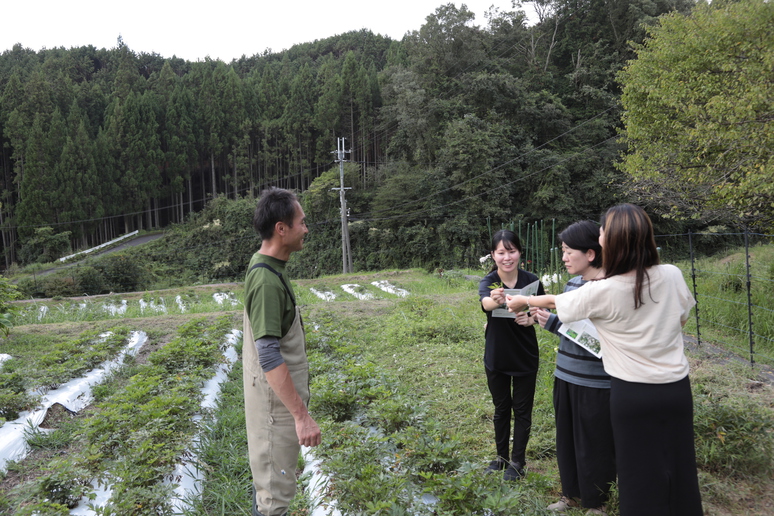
[723,306]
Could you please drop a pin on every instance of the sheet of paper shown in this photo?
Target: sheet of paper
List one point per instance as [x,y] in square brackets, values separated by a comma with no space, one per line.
[529,290]
[584,334]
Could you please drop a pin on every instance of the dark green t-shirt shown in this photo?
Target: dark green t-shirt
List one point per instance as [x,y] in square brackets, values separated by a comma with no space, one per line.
[268,303]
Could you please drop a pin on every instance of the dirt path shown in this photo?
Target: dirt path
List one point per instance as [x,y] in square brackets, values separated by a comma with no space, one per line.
[721,356]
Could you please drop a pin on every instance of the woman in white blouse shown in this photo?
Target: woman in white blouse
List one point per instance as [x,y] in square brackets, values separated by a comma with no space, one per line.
[639,309]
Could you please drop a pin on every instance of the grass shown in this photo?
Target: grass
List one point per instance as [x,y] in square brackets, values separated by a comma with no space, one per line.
[399,390]
[722,296]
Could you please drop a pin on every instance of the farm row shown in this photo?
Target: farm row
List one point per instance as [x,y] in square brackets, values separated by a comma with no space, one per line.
[188,303]
[111,418]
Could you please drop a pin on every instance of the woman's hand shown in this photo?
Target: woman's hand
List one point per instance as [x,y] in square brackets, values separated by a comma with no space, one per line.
[498,295]
[516,303]
[524,319]
[541,316]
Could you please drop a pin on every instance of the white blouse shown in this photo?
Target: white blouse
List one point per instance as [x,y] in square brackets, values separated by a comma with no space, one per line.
[643,345]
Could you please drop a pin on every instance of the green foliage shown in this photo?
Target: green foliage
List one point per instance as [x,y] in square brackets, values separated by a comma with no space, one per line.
[14,398]
[734,437]
[482,120]
[30,287]
[145,425]
[120,273]
[45,246]
[57,439]
[224,243]
[721,285]
[697,101]
[43,509]
[8,293]
[65,483]
[89,281]
[420,430]
[60,285]
[52,365]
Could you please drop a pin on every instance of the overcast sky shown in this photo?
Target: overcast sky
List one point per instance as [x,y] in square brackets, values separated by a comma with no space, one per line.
[220,29]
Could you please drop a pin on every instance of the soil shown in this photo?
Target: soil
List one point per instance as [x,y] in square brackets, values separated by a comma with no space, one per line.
[55,415]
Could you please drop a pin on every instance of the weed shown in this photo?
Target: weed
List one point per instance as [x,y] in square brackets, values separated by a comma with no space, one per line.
[734,437]
[56,439]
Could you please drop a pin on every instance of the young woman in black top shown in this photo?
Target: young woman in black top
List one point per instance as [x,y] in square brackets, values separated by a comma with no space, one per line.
[510,355]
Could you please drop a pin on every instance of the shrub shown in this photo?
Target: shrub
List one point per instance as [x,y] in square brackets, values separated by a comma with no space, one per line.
[45,246]
[47,508]
[89,281]
[30,287]
[120,273]
[58,285]
[13,394]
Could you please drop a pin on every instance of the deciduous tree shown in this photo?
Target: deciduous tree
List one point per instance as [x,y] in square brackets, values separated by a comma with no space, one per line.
[698,114]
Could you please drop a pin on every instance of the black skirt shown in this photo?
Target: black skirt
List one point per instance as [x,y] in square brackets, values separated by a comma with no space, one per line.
[654,447]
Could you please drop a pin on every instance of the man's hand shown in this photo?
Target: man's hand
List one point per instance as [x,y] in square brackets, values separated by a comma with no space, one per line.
[308,431]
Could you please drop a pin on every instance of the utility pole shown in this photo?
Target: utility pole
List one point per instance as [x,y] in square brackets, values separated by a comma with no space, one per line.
[346,253]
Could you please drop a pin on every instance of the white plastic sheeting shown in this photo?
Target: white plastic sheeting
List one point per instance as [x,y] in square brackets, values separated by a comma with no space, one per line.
[390,288]
[113,309]
[317,485]
[73,395]
[156,307]
[350,289]
[222,298]
[325,295]
[187,474]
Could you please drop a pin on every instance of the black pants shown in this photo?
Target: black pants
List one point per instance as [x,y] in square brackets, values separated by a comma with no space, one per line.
[655,451]
[512,395]
[584,442]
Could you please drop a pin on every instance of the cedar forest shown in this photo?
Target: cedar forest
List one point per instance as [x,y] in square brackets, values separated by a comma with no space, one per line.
[458,126]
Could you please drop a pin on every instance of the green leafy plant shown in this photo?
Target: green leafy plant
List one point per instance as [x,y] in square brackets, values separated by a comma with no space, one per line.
[65,483]
[734,437]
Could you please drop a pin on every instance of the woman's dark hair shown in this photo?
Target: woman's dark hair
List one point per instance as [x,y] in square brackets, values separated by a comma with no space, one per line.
[510,241]
[582,236]
[275,205]
[629,245]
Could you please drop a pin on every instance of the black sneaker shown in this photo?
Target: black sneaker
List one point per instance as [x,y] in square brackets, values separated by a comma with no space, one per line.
[496,465]
[515,471]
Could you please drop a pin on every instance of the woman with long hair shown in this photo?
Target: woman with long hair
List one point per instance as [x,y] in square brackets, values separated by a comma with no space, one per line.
[584,436]
[510,355]
[639,309]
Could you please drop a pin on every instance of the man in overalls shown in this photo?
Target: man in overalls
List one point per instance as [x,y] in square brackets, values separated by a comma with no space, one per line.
[276,371]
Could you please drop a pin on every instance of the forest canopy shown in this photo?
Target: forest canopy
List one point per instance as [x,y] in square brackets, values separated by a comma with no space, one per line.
[451,130]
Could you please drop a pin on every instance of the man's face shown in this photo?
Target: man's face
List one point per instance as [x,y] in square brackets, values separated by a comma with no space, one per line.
[295,235]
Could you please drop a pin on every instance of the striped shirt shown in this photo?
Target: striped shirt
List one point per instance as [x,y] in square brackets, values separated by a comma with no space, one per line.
[573,363]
